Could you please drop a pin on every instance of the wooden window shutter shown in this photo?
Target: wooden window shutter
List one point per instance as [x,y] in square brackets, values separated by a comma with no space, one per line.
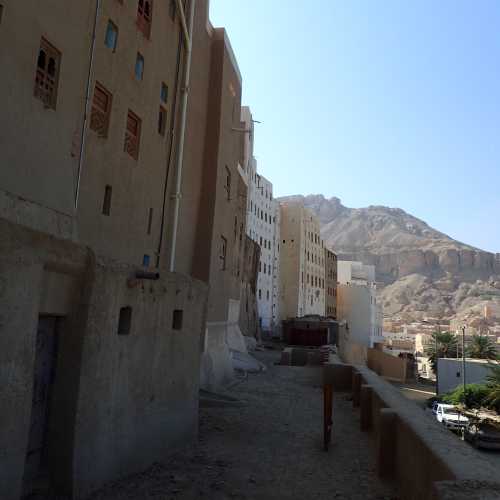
[132,135]
[101,110]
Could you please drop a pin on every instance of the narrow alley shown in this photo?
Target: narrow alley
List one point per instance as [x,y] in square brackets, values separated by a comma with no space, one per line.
[269,448]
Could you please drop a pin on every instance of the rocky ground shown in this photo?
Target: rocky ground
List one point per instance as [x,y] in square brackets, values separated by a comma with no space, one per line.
[269,449]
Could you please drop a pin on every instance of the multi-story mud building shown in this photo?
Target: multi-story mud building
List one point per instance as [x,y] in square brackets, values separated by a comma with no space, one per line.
[330,283]
[302,262]
[121,199]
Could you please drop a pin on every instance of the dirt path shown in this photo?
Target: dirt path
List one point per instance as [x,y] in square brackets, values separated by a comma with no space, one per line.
[269,449]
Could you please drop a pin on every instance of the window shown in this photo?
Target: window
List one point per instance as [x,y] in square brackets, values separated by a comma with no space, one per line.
[139,66]
[162,120]
[101,110]
[145,260]
[164,93]
[173,10]
[144,17]
[177,319]
[223,252]
[124,321]
[227,186]
[111,38]
[265,268]
[261,241]
[133,135]
[260,293]
[106,205]
[1,12]
[47,74]
[150,220]
[267,295]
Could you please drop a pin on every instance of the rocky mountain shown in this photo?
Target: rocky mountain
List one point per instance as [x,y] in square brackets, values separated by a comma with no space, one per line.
[421,271]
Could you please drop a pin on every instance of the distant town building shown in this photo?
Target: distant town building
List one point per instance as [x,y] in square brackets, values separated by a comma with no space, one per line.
[331,283]
[357,302]
[302,276]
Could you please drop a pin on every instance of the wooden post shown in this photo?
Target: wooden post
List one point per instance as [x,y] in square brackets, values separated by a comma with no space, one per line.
[327,414]
[387,443]
[366,407]
[356,386]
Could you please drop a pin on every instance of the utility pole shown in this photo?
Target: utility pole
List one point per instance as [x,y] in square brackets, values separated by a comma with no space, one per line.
[463,364]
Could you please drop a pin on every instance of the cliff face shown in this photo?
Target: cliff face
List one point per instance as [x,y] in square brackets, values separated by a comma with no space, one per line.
[406,250]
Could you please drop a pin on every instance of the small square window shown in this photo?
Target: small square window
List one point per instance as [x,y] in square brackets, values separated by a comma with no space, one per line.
[106,205]
[145,16]
[227,185]
[111,38]
[162,120]
[125,321]
[177,319]
[222,252]
[139,66]
[150,220]
[173,10]
[164,93]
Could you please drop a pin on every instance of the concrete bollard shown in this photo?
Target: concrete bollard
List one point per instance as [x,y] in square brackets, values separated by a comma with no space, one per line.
[386,443]
[365,401]
[356,386]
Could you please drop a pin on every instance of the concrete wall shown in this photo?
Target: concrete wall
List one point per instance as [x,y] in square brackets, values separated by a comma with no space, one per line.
[120,402]
[424,459]
[450,373]
[387,366]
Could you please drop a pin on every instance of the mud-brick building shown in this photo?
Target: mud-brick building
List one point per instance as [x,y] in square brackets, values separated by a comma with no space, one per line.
[220,241]
[330,283]
[119,180]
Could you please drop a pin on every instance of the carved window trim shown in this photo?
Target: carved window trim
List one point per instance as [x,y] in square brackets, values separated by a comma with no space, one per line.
[47,74]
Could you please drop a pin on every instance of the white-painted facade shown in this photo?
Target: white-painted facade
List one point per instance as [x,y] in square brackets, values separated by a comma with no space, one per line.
[357,302]
[263,226]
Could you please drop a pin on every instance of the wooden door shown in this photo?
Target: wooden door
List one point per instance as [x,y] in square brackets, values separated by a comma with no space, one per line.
[36,472]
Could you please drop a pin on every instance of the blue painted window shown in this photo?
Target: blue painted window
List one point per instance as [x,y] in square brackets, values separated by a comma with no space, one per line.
[111,36]
[139,66]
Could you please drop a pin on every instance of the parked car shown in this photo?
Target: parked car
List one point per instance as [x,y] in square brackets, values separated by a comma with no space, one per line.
[483,435]
[449,416]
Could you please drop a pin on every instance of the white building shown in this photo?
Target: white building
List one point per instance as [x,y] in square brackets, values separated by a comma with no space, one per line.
[450,372]
[263,226]
[357,302]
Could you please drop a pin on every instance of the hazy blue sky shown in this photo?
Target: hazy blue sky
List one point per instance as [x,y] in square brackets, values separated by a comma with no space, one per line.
[385,102]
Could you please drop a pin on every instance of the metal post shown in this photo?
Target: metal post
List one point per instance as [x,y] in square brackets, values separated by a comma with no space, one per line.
[463,364]
[327,415]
